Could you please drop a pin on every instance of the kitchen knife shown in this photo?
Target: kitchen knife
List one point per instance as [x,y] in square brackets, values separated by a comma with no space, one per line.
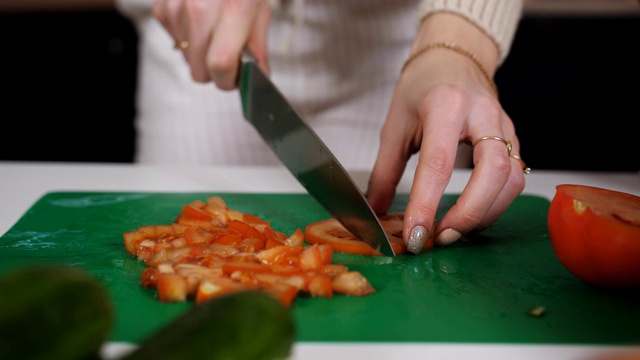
[306,156]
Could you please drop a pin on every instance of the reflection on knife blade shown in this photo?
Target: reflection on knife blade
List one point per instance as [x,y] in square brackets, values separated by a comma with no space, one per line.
[306,156]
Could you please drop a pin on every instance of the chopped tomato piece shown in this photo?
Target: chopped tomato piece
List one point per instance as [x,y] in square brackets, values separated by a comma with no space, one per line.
[254,220]
[216,286]
[296,239]
[149,277]
[284,293]
[223,250]
[232,266]
[272,242]
[311,258]
[197,236]
[131,240]
[251,244]
[352,283]
[246,230]
[334,234]
[195,212]
[217,208]
[299,280]
[280,255]
[231,239]
[171,287]
[332,270]
[320,285]
[234,215]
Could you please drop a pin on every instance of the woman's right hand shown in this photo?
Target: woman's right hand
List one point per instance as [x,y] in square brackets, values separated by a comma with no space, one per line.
[212,34]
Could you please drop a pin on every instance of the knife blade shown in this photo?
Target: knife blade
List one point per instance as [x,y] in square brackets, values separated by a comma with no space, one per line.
[306,156]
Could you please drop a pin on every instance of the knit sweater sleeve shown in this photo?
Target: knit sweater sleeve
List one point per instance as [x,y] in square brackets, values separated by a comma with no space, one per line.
[497,18]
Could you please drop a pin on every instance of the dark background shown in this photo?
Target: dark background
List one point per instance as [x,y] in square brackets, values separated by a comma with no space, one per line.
[570,85]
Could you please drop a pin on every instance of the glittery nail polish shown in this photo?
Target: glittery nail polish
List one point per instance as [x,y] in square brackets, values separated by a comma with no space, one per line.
[417,239]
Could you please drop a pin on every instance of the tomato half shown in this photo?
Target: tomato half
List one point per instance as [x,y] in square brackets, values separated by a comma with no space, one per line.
[334,234]
[595,234]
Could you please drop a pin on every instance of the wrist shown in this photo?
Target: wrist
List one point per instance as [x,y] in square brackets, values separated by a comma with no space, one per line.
[453,29]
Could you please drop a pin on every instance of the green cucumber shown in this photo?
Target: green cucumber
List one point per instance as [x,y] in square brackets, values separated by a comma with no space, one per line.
[245,325]
[52,312]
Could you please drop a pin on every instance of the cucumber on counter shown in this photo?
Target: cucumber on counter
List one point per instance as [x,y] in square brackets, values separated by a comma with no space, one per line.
[245,325]
[54,313]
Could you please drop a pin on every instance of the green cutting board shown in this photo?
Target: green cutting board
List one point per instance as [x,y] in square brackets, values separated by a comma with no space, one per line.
[476,291]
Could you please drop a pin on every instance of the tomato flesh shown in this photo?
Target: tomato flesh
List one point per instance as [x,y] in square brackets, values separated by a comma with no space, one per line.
[595,234]
[212,250]
[334,234]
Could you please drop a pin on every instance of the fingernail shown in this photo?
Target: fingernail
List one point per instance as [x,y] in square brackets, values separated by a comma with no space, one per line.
[417,239]
[447,236]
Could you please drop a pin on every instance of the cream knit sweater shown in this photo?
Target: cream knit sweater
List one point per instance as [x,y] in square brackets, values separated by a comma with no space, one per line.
[337,62]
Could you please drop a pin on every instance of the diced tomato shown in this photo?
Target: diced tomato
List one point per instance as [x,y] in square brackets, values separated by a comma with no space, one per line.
[147,231]
[195,212]
[234,215]
[197,236]
[231,239]
[254,220]
[178,243]
[273,242]
[212,287]
[145,250]
[199,250]
[246,230]
[311,258]
[334,234]
[244,256]
[232,266]
[332,270]
[320,285]
[212,261]
[352,283]
[211,250]
[326,253]
[296,239]
[223,250]
[277,235]
[158,258]
[267,279]
[171,287]
[251,244]
[217,208]
[284,293]
[280,255]
[131,240]
[285,269]
[149,277]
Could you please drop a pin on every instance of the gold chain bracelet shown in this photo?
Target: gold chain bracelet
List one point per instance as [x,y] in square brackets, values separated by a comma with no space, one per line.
[449,46]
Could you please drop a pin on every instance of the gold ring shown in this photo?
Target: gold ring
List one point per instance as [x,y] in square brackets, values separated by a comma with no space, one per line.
[507,143]
[525,168]
[182,45]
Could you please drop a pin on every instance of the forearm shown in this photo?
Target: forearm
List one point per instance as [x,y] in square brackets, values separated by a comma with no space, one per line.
[23,6]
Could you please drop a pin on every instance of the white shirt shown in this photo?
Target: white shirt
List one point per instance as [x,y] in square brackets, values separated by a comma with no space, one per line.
[336,61]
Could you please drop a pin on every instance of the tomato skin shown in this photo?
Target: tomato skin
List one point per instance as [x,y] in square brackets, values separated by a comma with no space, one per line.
[595,234]
[334,234]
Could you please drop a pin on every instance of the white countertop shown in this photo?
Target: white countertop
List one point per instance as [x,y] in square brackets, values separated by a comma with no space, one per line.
[23,183]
